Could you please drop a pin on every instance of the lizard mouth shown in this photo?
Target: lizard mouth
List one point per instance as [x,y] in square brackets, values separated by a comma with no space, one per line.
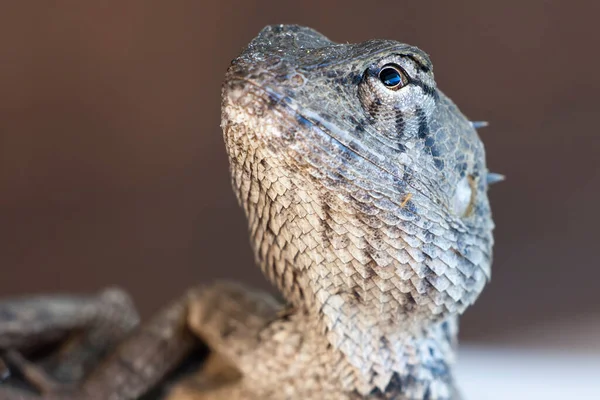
[241,91]
[241,87]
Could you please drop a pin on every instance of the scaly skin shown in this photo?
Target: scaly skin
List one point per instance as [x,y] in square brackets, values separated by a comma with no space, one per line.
[367,207]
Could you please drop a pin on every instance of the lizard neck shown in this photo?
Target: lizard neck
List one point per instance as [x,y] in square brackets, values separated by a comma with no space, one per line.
[386,360]
[371,309]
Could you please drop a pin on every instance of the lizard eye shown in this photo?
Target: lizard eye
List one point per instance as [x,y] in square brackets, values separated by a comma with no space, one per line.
[392,76]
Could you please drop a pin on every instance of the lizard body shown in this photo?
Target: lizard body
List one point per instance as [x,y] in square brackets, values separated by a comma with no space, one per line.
[365,190]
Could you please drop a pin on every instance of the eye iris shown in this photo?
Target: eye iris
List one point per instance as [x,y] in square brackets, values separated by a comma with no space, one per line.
[390,77]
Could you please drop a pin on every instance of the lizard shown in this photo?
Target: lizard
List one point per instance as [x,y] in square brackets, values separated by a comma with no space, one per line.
[365,191]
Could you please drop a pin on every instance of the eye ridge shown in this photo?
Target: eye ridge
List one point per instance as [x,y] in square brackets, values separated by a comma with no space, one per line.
[393,76]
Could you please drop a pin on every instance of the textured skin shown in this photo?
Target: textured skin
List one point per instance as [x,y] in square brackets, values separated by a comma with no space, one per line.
[367,207]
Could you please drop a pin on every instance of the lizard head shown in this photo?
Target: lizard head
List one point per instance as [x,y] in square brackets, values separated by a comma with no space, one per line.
[364,185]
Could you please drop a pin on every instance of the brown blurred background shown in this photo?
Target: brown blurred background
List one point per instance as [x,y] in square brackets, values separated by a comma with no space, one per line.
[113,170]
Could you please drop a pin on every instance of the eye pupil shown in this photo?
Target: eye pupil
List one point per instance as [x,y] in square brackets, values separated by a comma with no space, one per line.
[391,76]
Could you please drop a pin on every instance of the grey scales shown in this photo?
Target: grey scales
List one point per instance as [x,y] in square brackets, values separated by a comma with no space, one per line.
[365,190]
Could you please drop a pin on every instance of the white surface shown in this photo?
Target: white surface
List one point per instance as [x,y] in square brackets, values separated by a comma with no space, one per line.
[486,373]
